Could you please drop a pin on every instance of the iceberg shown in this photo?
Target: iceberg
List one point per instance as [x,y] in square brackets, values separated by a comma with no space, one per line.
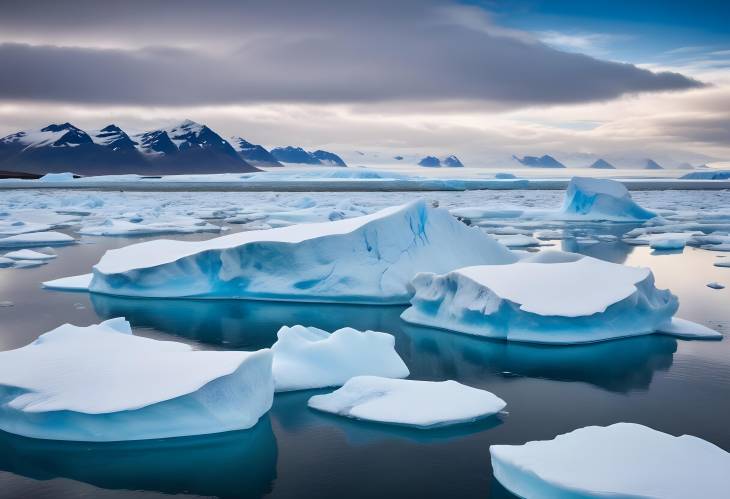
[101,383]
[307,357]
[367,259]
[423,404]
[551,297]
[715,285]
[618,461]
[26,254]
[73,283]
[35,239]
[601,199]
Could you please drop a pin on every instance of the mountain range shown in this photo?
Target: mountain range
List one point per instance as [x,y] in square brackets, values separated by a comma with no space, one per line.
[185,148]
[291,154]
[434,162]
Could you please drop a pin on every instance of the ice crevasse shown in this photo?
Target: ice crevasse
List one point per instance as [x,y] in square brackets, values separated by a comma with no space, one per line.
[368,259]
[102,383]
[551,297]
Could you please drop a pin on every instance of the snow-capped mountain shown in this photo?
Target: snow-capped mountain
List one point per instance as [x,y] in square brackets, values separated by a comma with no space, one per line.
[452,162]
[185,148]
[253,153]
[290,154]
[544,161]
[602,164]
[434,162]
[430,162]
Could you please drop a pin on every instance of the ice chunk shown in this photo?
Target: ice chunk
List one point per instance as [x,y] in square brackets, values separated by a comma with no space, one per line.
[715,285]
[368,259]
[102,383]
[618,461]
[722,263]
[113,227]
[518,241]
[26,254]
[6,262]
[73,283]
[307,357]
[423,404]
[57,177]
[553,297]
[35,239]
[601,199]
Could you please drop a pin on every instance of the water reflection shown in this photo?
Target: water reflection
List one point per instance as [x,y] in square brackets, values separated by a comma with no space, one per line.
[618,365]
[615,251]
[239,464]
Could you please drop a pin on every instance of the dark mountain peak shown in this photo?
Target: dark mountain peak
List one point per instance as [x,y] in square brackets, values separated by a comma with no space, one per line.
[602,164]
[544,161]
[54,127]
[430,162]
[291,154]
[452,162]
[328,158]
[114,137]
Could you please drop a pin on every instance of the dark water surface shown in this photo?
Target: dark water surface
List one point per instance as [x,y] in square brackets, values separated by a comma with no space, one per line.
[672,385]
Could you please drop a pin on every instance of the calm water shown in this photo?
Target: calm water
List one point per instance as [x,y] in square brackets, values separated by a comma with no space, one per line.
[672,385]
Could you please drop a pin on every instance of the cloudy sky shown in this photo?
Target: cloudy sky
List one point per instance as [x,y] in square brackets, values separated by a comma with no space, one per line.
[484,80]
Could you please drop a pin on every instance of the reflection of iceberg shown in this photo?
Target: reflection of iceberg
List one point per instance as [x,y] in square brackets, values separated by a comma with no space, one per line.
[620,366]
[241,324]
[238,464]
[368,259]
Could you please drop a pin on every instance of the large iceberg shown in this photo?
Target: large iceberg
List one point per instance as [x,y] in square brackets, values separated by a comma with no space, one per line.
[551,297]
[423,404]
[368,259]
[307,357]
[623,460]
[601,199]
[102,383]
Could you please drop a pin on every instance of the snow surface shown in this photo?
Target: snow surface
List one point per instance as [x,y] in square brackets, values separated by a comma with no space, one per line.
[73,283]
[422,404]
[34,239]
[114,227]
[102,383]
[368,259]
[57,177]
[553,297]
[307,357]
[624,460]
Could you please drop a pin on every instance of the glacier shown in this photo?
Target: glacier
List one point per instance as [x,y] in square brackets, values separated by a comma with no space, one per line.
[421,404]
[101,383]
[624,460]
[308,357]
[367,259]
[550,297]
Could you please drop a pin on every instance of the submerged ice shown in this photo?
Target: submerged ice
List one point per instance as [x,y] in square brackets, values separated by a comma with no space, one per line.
[102,383]
[618,461]
[551,297]
[367,259]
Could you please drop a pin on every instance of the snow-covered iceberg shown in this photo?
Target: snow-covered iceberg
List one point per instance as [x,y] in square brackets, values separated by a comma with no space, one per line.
[422,404]
[551,297]
[35,239]
[307,357]
[102,383]
[624,460]
[601,199]
[368,259]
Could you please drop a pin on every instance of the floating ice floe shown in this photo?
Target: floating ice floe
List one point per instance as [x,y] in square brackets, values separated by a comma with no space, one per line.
[6,262]
[422,404]
[552,297]
[368,259]
[715,285]
[73,283]
[26,254]
[722,263]
[102,383]
[518,241]
[307,357]
[586,199]
[623,460]
[114,227]
[35,239]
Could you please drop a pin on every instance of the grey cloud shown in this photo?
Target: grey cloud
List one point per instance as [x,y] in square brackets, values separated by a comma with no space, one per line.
[209,53]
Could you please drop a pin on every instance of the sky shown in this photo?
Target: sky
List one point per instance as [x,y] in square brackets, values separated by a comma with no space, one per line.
[480,79]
